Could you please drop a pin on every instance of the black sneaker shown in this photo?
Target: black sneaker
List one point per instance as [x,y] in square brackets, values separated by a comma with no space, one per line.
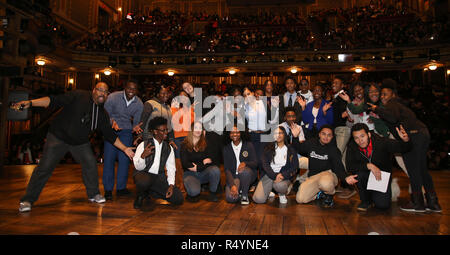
[123,192]
[138,202]
[108,195]
[212,197]
[432,204]
[320,195]
[412,207]
[244,200]
[363,206]
[416,204]
[328,201]
[192,199]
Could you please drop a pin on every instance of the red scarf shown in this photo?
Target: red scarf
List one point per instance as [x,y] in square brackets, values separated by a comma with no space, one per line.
[368,150]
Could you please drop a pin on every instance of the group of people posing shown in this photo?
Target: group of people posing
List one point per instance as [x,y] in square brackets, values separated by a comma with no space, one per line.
[263,140]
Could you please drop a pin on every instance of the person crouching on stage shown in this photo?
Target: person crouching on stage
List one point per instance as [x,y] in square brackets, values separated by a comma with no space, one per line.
[151,158]
[367,152]
[324,164]
[240,163]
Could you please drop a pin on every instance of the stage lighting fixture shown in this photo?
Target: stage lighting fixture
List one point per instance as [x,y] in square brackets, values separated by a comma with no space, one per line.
[358,70]
[107,72]
[40,62]
[432,67]
[232,71]
[294,70]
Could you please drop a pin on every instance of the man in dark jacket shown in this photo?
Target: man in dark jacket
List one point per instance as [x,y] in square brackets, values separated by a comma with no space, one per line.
[82,113]
[369,153]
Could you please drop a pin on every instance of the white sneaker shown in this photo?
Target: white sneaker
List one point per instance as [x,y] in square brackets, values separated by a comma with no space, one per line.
[283,199]
[98,199]
[271,194]
[24,206]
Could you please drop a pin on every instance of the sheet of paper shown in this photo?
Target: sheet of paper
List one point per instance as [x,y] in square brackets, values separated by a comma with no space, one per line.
[380,185]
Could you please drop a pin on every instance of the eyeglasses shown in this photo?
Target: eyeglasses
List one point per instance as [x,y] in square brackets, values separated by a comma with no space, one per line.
[102,91]
[163,130]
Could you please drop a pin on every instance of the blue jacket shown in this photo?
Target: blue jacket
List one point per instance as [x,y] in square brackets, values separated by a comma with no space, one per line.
[288,171]
[308,117]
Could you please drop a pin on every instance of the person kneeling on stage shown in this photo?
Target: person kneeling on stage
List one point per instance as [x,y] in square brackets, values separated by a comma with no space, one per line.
[151,157]
[240,163]
[367,152]
[280,164]
[324,164]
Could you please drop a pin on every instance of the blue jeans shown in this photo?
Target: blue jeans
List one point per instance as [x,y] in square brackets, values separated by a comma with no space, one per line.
[111,153]
[194,180]
[178,142]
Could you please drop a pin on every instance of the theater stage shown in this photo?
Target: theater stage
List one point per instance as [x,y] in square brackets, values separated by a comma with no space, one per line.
[63,208]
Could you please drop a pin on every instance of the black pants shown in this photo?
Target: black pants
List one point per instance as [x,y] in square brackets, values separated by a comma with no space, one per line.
[156,186]
[381,200]
[54,151]
[416,162]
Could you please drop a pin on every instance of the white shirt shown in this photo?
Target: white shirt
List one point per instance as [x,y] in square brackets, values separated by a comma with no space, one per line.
[237,150]
[255,112]
[280,159]
[315,112]
[301,136]
[286,98]
[125,97]
[308,96]
[275,103]
[139,163]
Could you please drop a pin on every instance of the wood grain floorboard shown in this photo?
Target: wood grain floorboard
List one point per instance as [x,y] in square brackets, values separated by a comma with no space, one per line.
[63,207]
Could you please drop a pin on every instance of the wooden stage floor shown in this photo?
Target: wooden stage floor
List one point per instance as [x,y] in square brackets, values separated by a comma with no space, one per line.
[63,208]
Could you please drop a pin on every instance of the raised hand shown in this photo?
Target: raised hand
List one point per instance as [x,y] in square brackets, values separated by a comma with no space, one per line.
[301,102]
[149,149]
[402,133]
[372,107]
[137,129]
[344,96]
[326,107]
[295,129]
